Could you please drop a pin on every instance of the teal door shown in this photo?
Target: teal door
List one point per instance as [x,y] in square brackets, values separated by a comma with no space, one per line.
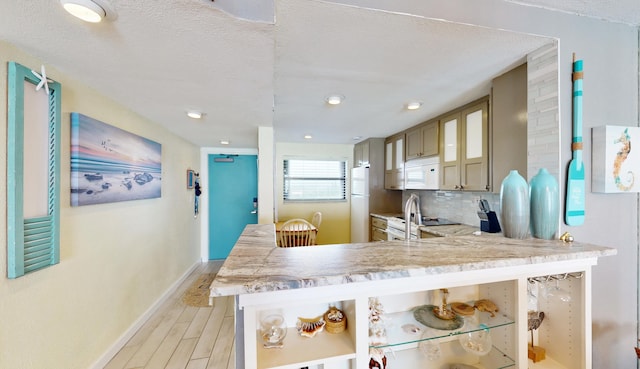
[233,186]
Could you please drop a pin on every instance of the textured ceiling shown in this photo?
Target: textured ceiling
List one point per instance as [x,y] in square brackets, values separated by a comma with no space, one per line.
[229,59]
[619,11]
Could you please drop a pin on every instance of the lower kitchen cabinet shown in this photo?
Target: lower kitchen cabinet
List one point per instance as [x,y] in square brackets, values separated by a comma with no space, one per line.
[378,229]
[407,342]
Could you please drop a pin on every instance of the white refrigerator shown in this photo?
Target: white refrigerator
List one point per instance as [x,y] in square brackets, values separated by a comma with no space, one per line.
[360,204]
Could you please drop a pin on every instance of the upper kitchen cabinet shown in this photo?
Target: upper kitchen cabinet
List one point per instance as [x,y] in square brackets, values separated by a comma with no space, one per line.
[509,125]
[422,141]
[370,153]
[394,162]
[464,157]
[361,154]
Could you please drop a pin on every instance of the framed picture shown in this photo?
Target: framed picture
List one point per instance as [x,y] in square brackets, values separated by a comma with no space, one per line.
[614,165]
[191,176]
[109,164]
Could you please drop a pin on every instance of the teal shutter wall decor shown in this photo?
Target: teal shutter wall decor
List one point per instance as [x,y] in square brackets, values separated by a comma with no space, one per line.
[32,243]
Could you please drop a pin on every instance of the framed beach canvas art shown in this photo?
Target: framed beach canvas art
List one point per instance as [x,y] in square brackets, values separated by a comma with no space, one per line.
[109,164]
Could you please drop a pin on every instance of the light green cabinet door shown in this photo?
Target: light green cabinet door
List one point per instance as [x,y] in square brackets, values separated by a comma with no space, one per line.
[464,157]
[394,162]
[423,141]
[449,163]
[474,174]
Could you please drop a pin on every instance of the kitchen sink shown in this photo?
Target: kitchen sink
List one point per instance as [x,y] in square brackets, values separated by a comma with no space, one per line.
[432,221]
[437,221]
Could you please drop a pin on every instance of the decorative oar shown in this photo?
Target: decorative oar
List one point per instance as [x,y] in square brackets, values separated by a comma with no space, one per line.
[574,210]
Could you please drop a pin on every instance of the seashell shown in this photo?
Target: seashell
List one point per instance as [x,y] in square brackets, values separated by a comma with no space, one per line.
[462,308]
[335,315]
[486,305]
[308,327]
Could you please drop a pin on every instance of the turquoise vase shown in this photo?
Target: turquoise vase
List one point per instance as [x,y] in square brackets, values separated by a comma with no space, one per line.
[545,207]
[514,206]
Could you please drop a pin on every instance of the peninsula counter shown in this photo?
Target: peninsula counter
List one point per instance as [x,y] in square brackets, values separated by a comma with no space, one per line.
[402,275]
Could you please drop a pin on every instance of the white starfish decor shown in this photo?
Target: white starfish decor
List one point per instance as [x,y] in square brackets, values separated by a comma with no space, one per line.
[44,81]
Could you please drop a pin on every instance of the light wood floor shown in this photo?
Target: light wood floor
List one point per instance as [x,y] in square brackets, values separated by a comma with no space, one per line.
[178,336]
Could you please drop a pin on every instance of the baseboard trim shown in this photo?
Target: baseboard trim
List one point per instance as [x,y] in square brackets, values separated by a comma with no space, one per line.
[129,333]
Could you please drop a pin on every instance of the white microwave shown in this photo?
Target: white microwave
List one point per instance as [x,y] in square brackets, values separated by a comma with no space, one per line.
[422,174]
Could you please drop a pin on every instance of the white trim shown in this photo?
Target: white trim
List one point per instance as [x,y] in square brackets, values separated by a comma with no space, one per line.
[104,359]
[204,182]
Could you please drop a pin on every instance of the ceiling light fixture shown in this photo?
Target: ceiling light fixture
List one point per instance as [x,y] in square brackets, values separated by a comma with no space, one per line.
[308,137]
[92,11]
[86,10]
[194,114]
[224,142]
[413,105]
[334,99]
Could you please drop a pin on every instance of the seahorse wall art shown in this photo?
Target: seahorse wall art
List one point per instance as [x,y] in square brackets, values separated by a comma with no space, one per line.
[613,164]
[625,149]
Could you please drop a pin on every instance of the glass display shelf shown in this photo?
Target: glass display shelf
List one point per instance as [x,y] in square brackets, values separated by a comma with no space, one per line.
[547,363]
[452,353]
[298,351]
[398,332]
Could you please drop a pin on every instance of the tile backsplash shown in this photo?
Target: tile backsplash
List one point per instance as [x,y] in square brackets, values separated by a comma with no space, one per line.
[454,205]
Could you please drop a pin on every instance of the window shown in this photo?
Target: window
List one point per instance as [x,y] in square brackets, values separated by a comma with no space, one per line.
[315,180]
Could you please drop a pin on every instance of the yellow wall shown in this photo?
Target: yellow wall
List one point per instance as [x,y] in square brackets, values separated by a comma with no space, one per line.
[335,227]
[116,259]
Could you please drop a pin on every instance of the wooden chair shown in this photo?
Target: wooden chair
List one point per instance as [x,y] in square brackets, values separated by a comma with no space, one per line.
[297,232]
[316,219]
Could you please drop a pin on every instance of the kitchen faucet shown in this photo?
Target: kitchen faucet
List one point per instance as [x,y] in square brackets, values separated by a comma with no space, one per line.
[413,201]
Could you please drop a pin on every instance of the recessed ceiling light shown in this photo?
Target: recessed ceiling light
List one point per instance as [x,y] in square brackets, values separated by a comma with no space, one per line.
[334,99]
[194,114]
[224,142]
[308,137]
[87,10]
[357,138]
[413,105]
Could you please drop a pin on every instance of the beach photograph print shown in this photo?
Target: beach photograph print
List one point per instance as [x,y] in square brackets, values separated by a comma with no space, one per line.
[109,164]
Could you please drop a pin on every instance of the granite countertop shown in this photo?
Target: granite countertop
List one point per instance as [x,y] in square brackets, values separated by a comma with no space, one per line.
[256,264]
[439,230]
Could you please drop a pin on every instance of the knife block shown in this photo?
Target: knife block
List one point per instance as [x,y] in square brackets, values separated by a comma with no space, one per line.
[491,224]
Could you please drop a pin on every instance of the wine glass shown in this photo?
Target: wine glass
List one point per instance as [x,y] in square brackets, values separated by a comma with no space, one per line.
[532,298]
[477,343]
[431,349]
[560,293]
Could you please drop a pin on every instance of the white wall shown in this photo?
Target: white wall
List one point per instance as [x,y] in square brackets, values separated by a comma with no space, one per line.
[116,259]
[610,54]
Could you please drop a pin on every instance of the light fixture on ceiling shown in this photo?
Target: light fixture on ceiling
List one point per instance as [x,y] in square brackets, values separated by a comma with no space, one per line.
[334,99]
[92,11]
[308,137]
[224,142]
[194,114]
[413,105]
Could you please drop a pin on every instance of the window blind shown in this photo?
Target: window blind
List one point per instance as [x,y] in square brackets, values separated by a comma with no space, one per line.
[314,180]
